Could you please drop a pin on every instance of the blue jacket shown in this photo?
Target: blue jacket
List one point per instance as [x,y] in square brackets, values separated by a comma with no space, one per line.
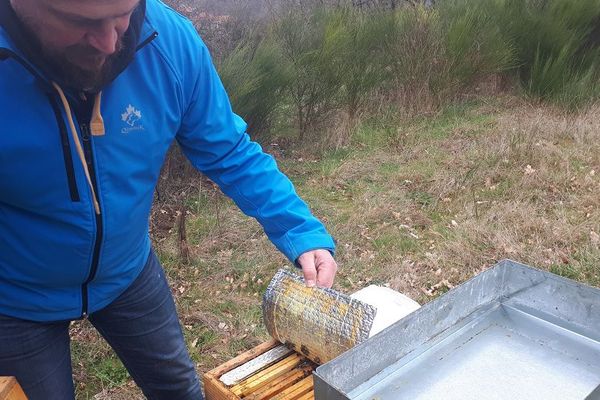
[70,245]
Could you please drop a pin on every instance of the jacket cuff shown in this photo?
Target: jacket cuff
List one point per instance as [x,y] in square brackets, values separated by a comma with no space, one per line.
[294,248]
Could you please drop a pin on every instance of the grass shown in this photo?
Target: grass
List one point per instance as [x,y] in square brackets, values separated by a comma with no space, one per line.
[97,370]
[439,200]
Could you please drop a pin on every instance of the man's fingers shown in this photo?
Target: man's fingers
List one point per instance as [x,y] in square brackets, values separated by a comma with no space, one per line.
[307,262]
[326,268]
[319,268]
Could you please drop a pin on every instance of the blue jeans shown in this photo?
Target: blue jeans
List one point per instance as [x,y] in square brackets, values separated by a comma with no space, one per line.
[142,327]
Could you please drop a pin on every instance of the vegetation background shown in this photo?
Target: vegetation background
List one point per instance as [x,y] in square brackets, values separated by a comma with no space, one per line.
[433,139]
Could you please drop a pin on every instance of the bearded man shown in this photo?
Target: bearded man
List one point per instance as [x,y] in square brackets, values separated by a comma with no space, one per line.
[92,94]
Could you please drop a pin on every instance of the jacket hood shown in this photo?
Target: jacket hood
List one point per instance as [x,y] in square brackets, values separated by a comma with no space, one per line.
[26,44]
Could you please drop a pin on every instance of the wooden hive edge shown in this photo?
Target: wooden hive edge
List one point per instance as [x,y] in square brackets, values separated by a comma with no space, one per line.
[214,389]
[10,389]
[242,358]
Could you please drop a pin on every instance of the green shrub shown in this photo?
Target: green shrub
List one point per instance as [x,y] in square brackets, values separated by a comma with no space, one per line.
[474,44]
[254,80]
[562,80]
[312,86]
[315,63]
[441,51]
[556,61]
[415,52]
[354,42]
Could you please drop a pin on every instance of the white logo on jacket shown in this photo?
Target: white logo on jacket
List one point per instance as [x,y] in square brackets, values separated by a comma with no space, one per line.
[131,117]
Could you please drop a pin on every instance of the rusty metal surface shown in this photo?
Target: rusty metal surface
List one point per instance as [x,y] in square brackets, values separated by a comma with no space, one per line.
[319,323]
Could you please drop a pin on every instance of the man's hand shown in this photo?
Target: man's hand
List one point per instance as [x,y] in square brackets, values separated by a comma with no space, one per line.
[319,268]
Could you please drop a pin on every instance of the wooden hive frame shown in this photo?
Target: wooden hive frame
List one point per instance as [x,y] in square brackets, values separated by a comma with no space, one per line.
[10,389]
[289,378]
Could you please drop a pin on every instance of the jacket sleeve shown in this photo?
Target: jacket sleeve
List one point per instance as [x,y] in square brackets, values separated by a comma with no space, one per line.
[214,139]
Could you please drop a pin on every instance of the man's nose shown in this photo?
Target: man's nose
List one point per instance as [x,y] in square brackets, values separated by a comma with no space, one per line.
[104,38]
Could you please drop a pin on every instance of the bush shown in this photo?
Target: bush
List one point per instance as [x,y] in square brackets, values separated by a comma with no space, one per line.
[474,44]
[436,53]
[254,80]
[415,52]
[312,85]
[556,60]
[315,63]
[353,43]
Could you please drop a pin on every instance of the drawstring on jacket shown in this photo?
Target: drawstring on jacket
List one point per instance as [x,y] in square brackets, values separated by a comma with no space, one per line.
[95,122]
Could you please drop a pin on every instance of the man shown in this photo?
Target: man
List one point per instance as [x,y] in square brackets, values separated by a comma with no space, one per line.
[92,93]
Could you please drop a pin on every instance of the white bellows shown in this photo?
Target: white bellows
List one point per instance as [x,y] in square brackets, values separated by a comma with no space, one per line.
[391,305]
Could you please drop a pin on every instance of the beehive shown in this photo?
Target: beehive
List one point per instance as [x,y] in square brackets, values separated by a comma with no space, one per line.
[286,378]
[316,325]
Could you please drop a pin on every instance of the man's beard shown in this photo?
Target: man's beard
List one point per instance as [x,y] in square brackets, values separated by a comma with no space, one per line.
[67,66]
[64,65]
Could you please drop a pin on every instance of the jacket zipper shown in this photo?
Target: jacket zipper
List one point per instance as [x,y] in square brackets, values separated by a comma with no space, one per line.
[89,158]
[87,148]
[146,41]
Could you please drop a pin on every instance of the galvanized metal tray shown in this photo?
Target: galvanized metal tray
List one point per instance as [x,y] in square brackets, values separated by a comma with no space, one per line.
[512,332]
